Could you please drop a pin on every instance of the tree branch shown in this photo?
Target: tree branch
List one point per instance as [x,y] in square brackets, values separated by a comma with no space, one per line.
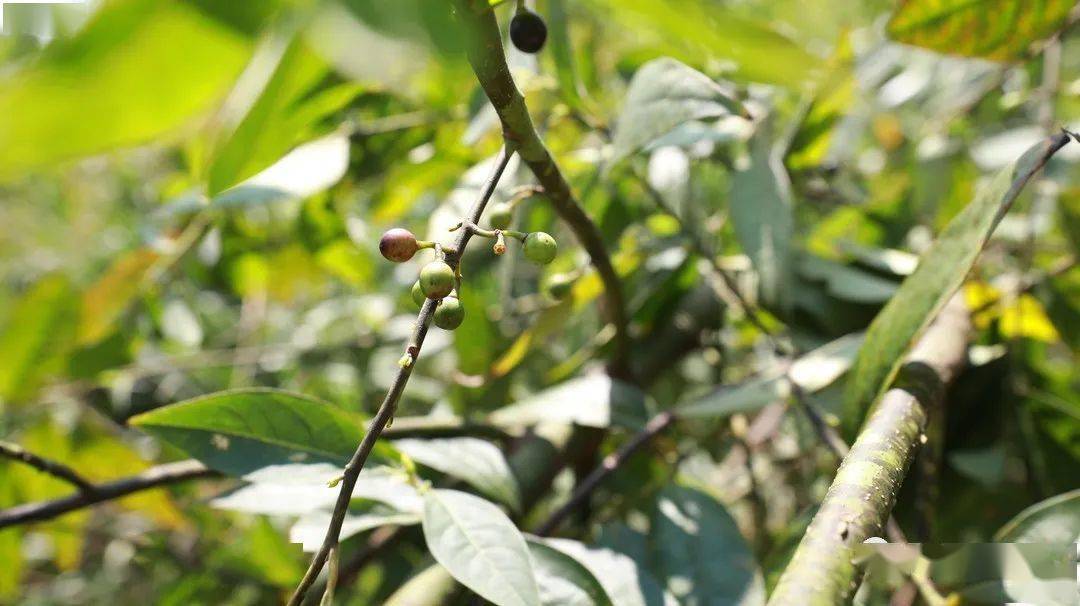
[822,571]
[53,468]
[389,404]
[160,475]
[485,51]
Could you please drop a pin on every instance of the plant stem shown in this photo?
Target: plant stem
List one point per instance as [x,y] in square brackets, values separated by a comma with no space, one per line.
[53,468]
[389,404]
[485,52]
[822,571]
[161,475]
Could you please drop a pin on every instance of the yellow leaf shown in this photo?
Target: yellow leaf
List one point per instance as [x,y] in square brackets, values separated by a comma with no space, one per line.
[107,299]
[1026,318]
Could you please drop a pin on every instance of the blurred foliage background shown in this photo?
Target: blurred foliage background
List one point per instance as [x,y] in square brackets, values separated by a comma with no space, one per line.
[191,193]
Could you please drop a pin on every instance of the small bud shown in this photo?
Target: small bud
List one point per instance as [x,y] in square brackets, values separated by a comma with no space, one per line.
[500,244]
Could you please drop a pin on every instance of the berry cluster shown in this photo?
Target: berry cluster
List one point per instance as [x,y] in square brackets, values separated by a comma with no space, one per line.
[440,282]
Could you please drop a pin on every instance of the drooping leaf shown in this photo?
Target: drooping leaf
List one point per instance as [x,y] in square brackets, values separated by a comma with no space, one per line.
[475,461]
[697,548]
[562,580]
[663,95]
[593,401]
[95,92]
[941,271]
[762,213]
[38,332]
[1003,30]
[256,431]
[1055,520]
[625,583]
[480,547]
[287,110]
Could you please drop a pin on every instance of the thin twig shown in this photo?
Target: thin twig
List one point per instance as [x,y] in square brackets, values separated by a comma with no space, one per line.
[53,468]
[160,475]
[485,52]
[389,404]
[705,251]
[608,466]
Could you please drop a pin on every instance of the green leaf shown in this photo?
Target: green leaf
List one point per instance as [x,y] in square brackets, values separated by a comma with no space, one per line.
[695,30]
[762,214]
[663,95]
[289,109]
[250,433]
[592,401]
[308,490]
[480,547]
[848,283]
[476,461]
[39,330]
[940,272]
[138,70]
[1003,30]
[310,530]
[562,580]
[1055,520]
[697,548]
[625,583]
[747,397]
[107,299]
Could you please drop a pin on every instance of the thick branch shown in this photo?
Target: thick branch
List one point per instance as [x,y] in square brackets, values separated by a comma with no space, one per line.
[822,571]
[485,50]
[53,468]
[389,404]
[161,475]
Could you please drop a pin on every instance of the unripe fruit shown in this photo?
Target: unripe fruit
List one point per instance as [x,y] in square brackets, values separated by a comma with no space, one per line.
[500,216]
[436,280]
[528,31]
[449,314]
[540,248]
[418,294]
[559,286]
[398,245]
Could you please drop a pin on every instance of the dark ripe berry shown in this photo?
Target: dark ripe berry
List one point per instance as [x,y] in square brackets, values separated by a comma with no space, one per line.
[500,215]
[540,248]
[528,31]
[436,280]
[449,314]
[559,286]
[398,245]
[418,294]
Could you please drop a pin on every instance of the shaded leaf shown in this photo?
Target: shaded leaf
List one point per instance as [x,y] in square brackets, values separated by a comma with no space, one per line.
[697,548]
[92,92]
[941,271]
[747,397]
[1055,520]
[1003,30]
[550,321]
[663,95]
[38,331]
[761,211]
[562,580]
[107,299]
[475,461]
[593,401]
[480,547]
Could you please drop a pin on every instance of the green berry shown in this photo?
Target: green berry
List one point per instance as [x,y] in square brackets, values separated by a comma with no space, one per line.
[398,245]
[436,280]
[449,314]
[559,286]
[418,294]
[500,215]
[540,248]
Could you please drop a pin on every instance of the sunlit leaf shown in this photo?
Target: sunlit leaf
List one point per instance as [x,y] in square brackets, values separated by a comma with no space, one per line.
[593,401]
[1003,30]
[39,330]
[480,547]
[92,93]
[475,461]
[941,271]
[1055,520]
[562,580]
[625,583]
[310,530]
[665,94]
[107,299]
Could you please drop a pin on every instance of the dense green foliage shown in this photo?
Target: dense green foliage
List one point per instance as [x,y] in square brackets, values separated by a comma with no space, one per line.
[193,201]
